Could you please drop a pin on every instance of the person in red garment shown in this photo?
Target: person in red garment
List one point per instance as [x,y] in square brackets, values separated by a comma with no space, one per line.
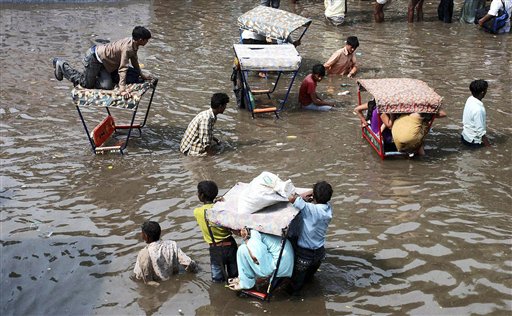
[308,99]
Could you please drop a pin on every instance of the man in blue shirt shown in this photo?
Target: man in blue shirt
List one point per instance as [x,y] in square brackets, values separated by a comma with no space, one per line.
[316,215]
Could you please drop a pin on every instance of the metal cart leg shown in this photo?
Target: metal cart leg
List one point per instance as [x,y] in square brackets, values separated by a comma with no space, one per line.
[86,130]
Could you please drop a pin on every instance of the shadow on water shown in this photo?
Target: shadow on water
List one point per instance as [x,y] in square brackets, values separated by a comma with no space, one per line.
[52,262]
[151,298]
[344,271]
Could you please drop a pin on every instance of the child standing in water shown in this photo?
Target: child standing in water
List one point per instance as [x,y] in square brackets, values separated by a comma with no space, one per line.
[474,132]
[343,61]
[160,258]
[222,244]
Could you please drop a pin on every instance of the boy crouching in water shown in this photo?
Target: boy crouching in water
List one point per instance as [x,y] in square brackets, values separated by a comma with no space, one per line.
[222,244]
[316,215]
[160,258]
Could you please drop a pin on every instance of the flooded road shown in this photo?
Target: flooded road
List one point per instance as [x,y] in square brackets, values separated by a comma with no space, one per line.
[426,236]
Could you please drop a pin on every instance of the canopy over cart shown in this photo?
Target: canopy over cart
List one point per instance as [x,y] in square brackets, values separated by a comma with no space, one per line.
[273,23]
[256,58]
[397,96]
[274,220]
[401,95]
[279,26]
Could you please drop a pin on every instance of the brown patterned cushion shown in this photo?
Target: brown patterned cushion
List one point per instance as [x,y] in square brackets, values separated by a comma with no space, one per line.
[110,98]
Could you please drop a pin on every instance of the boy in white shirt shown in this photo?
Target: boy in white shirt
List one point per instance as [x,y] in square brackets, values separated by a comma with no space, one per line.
[160,259]
[474,116]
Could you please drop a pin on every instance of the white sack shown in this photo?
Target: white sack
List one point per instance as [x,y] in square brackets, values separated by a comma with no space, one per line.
[264,190]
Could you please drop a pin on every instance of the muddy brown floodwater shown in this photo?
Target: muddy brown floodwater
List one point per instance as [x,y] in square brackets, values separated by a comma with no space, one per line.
[422,236]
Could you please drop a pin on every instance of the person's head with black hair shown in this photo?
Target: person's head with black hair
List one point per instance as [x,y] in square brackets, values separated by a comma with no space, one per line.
[219,102]
[322,192]
[319,69]
[141,33]
[207,191]
[151,231]
[371,106]
[318,72]
[353,42]
[140,36]
[478,88]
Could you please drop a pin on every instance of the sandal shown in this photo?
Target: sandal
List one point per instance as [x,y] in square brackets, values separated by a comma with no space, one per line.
[233,280]
[235,286]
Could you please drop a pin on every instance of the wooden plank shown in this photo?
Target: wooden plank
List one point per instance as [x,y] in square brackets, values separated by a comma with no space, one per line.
[265,110]
[263,91]
[107,148]
[127,126]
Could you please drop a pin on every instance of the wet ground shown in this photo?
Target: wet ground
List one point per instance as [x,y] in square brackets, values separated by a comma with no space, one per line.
[430,235]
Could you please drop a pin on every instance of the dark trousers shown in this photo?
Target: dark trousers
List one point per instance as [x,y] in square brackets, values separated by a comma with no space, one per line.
[223,261]
[93,70]
[95,76]
[445,11]
[307,262]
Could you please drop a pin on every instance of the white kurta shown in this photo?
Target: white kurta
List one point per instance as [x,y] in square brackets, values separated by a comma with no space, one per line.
[161,259]
[473,121]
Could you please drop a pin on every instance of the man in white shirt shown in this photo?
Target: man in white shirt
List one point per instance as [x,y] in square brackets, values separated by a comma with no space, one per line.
[473,118]
[497,5]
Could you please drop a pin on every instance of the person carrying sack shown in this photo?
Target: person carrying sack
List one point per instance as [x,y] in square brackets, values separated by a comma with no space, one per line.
[495,18]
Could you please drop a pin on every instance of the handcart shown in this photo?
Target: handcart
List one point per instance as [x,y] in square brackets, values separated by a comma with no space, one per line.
[283,59]
[397,96]
[274,24]
[275,220]
[280,27]
[100,137]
